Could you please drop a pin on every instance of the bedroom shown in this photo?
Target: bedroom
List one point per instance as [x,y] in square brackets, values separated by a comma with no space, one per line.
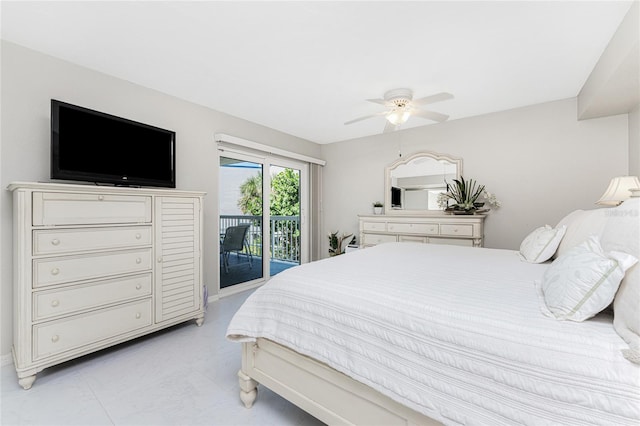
[552,162]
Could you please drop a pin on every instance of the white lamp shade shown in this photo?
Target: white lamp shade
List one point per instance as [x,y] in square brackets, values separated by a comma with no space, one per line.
[619,190]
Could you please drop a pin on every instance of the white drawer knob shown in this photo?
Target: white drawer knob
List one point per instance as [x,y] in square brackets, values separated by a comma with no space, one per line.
[55,241]
[138,260]
[138,315]
[55,271]
[138,286]
[100,197]
[159,260]
[55,338]
[455,229]
[55,303]
[138,236]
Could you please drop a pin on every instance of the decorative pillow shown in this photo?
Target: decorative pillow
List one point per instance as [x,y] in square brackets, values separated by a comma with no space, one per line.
[626,315]
[570,218]
[583,281]
[541,244]
[622,233]
[581,224]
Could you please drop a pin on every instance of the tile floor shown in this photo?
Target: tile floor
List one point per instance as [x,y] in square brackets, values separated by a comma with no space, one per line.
[185,375]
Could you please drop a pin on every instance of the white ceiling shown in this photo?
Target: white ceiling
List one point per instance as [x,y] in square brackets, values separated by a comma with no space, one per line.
[305,68]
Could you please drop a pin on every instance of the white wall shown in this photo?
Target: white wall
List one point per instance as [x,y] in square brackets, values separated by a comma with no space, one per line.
[539,160]
[30,80]
[634,142]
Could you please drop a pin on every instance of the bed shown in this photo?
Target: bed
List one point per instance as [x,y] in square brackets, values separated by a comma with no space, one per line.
[408,333]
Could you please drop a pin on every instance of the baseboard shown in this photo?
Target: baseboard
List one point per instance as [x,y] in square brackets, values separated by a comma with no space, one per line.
[213,298]
[239,288]
[6,359]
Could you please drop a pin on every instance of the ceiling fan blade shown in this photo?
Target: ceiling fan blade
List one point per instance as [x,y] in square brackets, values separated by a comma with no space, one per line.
[438,97]
[390,127]
[430,115]
[378,101]
[366,117]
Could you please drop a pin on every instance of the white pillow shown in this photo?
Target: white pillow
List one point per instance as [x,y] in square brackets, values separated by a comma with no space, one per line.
[581,225]
[582,282]
[622,233]
[541,244]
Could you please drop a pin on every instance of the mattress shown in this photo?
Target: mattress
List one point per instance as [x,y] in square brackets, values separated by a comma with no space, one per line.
[455,333]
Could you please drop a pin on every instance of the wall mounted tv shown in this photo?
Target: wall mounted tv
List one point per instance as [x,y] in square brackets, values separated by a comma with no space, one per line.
[92,146]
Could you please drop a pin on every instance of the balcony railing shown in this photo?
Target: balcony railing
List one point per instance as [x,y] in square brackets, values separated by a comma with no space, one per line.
[284,233]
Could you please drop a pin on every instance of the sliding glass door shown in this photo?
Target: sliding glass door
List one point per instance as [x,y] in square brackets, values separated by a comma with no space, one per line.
[241,219]
[263,228]
[287,206]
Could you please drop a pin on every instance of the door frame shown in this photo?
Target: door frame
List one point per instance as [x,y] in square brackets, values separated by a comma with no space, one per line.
[267,160]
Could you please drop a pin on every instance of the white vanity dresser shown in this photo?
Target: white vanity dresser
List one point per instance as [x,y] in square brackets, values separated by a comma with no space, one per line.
[463,230]
[412,185]
[95,266]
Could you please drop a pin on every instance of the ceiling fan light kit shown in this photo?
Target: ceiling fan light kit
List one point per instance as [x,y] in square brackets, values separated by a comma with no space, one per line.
[398,116]
[401,106]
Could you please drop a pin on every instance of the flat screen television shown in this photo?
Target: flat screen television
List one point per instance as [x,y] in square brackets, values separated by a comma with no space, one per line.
[396,197]
[92,146]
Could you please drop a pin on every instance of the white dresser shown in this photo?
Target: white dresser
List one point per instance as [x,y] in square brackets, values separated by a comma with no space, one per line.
[465,230]
[96,266]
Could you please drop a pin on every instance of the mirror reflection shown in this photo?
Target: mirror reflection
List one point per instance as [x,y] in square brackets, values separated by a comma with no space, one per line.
[413,184]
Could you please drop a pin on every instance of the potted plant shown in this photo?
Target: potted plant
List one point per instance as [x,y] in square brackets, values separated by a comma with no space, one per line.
[377,207]
[335,243]
[466,196]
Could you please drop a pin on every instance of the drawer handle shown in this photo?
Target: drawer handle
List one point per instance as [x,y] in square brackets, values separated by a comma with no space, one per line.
[55,338]
[138,286]
[138,260]
[159,260]
[55,303]
[100,197]
[138,236]
[138,315]
[55,271]
[455,229]
[55,241]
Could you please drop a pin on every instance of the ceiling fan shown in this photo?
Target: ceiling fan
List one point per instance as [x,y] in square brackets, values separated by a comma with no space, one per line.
[401,106]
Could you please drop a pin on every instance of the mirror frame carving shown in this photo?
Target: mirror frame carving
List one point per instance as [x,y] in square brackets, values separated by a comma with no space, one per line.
[403,161]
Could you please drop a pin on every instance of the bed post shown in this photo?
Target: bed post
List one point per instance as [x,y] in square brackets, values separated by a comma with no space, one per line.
[248,389]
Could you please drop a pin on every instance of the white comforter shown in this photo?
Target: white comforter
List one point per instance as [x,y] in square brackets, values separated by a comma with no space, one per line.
[455,333]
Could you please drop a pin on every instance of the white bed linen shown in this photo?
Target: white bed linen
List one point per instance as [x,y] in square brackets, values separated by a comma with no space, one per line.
[455,333]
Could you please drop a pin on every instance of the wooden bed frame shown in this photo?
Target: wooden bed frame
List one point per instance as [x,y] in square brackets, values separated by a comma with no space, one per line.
[318,389]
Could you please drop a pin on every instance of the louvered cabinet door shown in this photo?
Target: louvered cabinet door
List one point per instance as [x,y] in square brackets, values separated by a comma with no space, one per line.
[178,268]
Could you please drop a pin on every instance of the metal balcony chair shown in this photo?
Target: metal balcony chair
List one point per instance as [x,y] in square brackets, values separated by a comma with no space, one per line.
[234,240]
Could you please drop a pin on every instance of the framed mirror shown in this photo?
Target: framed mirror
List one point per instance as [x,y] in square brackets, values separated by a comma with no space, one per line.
[412,184]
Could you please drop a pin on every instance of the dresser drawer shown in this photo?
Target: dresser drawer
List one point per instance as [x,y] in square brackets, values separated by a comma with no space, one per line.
[59,208]
[50,303]
[373,239]
[374,226]
[64,335]
[461,230]
[412,239]
[414,228]
[70,240]
[75,268]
